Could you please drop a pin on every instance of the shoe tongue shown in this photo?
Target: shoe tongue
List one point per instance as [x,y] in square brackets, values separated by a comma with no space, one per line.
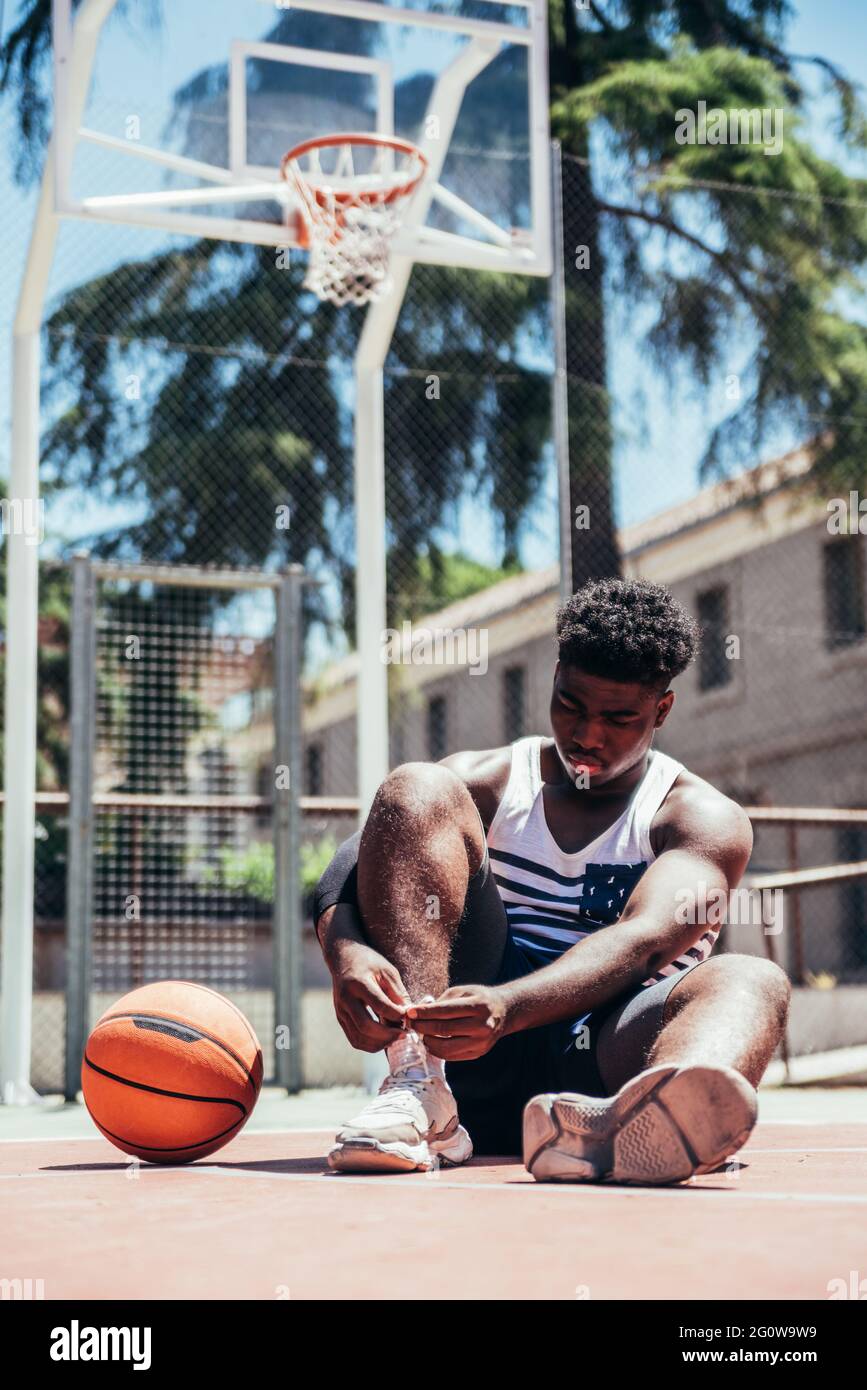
[407,1057]
[411,1073]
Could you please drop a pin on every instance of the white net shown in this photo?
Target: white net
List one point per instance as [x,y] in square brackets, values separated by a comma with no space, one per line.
[349,264]
[352,217]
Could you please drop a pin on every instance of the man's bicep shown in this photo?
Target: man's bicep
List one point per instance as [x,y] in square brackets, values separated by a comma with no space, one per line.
[715,831]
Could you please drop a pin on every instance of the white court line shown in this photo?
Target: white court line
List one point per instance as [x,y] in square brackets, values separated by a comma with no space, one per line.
[331,1129]
[816,1124]
[411,1182]
[73,1138]
[804,1149]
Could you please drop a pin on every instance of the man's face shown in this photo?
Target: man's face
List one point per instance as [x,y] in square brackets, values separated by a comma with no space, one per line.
[602,727]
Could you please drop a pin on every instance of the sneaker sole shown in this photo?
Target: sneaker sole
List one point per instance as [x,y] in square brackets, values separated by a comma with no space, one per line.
[663,1126]
[371,1156]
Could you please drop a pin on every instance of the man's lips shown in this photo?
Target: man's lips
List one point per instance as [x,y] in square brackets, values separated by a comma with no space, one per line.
[578,761]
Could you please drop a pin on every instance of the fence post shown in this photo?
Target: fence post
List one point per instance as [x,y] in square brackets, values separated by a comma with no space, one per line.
[287,866]
[560,388]
[79,876]
[799,971]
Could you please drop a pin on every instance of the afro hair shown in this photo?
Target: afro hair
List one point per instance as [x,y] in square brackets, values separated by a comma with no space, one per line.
[627,630]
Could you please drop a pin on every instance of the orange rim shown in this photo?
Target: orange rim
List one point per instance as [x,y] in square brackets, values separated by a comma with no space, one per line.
[347,198]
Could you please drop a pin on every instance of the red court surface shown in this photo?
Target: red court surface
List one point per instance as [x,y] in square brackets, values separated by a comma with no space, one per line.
[264,1219]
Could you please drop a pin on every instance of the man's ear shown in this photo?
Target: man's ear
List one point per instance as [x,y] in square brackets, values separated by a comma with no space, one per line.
[663,709]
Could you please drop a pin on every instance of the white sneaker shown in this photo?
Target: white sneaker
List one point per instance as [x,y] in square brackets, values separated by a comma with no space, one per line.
[663,1126]
[412,1123]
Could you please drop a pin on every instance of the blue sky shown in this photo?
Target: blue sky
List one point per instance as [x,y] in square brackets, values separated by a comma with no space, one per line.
[661,422]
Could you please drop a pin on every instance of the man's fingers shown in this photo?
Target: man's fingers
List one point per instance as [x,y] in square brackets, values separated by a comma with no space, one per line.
[446,1028]
[369,1034]
[394,986]
[380,1002]
[449,1008]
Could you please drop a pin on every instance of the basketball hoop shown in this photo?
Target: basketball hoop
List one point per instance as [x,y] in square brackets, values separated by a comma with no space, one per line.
[349,215]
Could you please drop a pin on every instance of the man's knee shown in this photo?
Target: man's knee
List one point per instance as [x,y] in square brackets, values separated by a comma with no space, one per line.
[426,798]
[759,975]
[421,788]
[750,977]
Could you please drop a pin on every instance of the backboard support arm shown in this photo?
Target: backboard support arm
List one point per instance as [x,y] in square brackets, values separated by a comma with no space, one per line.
[370,526]
[22,563]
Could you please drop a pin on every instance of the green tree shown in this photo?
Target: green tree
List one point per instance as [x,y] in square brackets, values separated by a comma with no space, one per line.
[445,579]
[621,70]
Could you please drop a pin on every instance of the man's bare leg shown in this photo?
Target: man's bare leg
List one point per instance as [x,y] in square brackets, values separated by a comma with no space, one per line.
[421,843]
[694,1104]
[730,1012]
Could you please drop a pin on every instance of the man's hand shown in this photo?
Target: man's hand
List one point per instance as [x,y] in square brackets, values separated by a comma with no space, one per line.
[464,1022]
[364,979]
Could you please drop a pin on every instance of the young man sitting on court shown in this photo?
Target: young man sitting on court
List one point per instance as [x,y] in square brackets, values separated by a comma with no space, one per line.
[522,915]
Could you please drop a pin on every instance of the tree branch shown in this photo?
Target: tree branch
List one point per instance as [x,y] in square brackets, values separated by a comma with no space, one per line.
[603,20]
[721,258]
[825,63]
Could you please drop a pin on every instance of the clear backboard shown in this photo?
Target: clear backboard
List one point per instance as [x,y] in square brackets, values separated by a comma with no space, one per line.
[181,123]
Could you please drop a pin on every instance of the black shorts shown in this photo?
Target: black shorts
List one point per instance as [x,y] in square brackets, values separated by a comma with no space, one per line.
[491,1091]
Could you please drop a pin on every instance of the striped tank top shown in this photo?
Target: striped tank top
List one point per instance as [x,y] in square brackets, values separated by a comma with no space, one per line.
[554,899]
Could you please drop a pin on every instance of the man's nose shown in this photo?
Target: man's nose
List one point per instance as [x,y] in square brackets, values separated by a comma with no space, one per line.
[589,735]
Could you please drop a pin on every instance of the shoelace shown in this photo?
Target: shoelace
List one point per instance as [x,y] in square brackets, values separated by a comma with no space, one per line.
[406,1055]
[408,1051]
[406,1082]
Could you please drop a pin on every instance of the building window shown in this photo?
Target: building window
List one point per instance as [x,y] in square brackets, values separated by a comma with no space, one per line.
[852,847]
[714,668]
[514,683]
[844,591]
[436,728]
[265,789]
[313,769]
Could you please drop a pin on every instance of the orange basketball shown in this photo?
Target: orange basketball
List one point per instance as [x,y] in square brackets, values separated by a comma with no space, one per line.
[171,1072]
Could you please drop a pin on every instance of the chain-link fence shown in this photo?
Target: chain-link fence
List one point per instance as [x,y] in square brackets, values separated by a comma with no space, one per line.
[175,853]
[198,409]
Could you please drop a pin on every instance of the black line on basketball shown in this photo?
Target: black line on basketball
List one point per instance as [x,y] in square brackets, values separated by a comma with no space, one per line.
[139,1019]
[172,1030]
[160,1091]
[167,1148]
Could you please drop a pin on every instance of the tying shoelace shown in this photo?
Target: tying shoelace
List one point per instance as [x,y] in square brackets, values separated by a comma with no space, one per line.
[407,1055]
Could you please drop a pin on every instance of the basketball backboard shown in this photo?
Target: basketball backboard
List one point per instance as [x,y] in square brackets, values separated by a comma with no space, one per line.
[182,125]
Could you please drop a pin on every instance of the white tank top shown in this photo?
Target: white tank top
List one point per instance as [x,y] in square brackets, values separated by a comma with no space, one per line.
[554,899]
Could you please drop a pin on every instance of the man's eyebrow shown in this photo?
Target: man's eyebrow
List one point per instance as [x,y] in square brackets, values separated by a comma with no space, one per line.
[627,709]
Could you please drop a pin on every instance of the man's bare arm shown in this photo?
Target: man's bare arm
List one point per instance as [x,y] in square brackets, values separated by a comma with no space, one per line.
[707,847]
[338,923]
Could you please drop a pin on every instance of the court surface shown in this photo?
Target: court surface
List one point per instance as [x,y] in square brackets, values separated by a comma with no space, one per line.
[264,1219]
